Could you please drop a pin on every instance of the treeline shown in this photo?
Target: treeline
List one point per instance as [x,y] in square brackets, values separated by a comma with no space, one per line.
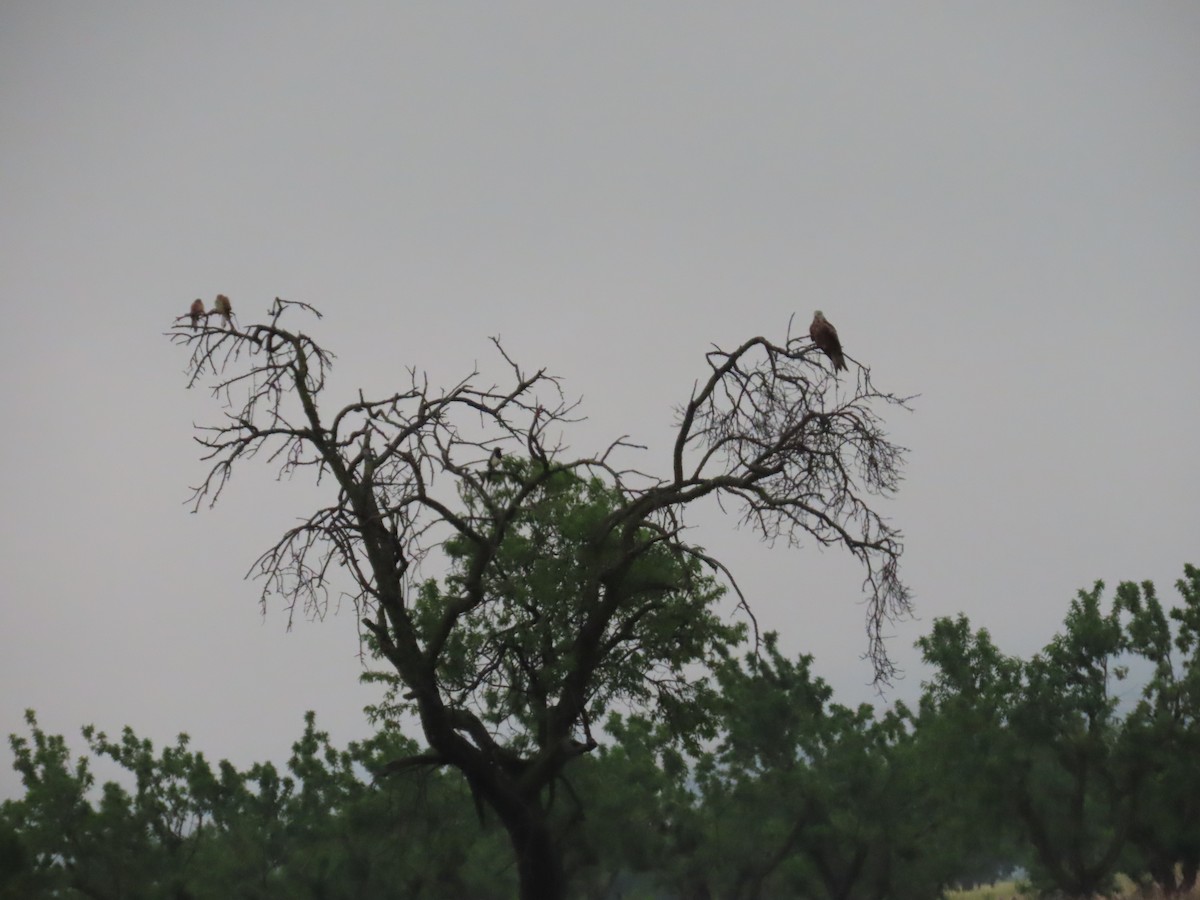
[1064,765]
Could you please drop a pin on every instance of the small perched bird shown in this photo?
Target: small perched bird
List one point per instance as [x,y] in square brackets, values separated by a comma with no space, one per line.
[493,463]
[825,336]
[223,308]
[196,312]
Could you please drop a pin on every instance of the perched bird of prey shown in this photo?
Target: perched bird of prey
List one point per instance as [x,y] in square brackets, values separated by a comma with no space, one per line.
[196,312]
[825,336]
[224,308]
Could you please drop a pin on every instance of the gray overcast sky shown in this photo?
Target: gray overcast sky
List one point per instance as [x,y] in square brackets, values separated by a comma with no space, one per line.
[998,206]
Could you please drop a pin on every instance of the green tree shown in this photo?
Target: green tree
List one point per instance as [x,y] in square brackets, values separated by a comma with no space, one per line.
[127,843]
[506,677]
[1166,724]
[805,797]
[1078,778]
[49,834]
[173,828]
[617,838]
[965,746]
[1052,751]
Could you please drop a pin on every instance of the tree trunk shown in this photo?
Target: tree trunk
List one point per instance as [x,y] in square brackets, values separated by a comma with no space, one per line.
[539,866]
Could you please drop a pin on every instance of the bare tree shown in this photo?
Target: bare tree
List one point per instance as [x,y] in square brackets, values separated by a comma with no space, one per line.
[766,430]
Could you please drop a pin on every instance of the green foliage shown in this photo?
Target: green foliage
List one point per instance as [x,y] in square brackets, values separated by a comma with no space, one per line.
[1090,786]
[514,654]
[781,792]
[1165,834]
[805,797]
[623,797]
[181,830]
